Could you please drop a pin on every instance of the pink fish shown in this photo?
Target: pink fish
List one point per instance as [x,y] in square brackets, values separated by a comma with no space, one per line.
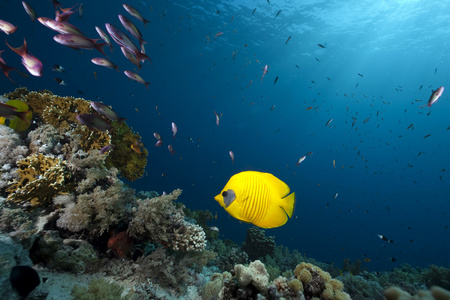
[159,143]
[79,42]
[170,148]
[136,77]
[66,13]
[5,68]
[104,37]
[300,160]
[231,156]
[30,10]
[124,41]
[157,135]
[265,71]
[106,149]
[61,27]
[174,129]
[434,97]
[30,62]
[100,61]
[135,13]
[7,27]
[132,29]
[94,122]
[218,34]
[131,57]
[217,118]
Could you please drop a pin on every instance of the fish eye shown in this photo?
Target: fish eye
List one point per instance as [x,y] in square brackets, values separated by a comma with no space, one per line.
[224,194]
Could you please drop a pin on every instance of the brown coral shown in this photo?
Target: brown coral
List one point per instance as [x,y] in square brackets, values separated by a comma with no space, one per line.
[41,178]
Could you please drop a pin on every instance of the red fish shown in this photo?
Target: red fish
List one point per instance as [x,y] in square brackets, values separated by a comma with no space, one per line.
[135,13]
[133,30]
[100,61]
[174,129]
[30,62]
[131,57]
[217,118]
[265,71]
[434,97]
[61,27]
[104,37]
[7,27]
[124,41]
[170,148]
[79,42]
[66,13]
[30,10]
[136,77]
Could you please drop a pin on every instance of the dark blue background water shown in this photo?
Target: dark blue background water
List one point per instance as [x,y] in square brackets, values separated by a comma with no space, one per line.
[384,185]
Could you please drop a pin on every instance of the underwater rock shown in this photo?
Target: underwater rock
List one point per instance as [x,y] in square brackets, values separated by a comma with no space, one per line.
[70,255]
[24,279]
[11,255]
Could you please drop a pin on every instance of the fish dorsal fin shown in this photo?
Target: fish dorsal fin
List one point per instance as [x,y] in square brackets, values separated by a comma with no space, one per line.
[280,188]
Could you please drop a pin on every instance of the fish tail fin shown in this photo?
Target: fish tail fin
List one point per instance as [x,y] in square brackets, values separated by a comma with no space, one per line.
[6,69]
[19,50]
[100,47]
[288,204]
[142,56]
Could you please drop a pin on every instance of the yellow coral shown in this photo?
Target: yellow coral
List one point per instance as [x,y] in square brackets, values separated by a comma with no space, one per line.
[305,276]
[336,284]
[327,294]
[40,179]
[91,139]
[296,286]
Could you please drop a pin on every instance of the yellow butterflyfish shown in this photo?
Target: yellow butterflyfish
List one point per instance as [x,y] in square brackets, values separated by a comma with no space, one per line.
[257,198]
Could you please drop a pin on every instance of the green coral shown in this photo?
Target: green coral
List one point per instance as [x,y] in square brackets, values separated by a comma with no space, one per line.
[99,289]
[128,161]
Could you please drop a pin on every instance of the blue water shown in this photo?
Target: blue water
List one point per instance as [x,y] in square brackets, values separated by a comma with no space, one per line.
[390,180]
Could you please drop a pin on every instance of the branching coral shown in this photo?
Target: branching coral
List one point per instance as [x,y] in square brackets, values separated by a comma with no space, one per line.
[40,179]
[12,151]
[96,211]
[158,220]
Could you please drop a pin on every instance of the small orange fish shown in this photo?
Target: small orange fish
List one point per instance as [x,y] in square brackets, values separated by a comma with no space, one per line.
[334,163]
[367,259]
[136,148]
[308,108]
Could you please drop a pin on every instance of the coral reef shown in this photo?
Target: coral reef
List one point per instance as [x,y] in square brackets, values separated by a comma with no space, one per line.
[131,163]
[60,113]
[40,179]
[99,289]
[318,283]
[435,293]
[257,245]
[158,220]
[13,150]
